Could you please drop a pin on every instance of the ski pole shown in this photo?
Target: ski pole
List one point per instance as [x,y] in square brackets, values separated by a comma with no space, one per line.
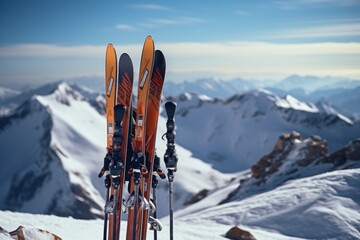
[170,158]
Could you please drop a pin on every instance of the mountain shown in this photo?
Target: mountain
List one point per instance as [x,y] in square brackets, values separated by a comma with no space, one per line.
[211,87]
[346,99]
[6,93]
[50,159]
[297,185]
[232,134]
[313,83]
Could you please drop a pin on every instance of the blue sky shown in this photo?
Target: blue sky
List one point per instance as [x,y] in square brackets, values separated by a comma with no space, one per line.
[44,41]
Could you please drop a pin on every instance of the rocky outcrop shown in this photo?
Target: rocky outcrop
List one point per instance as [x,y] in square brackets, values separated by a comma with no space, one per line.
[236,233]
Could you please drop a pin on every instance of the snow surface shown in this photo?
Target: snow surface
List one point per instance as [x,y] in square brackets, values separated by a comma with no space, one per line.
[325,206]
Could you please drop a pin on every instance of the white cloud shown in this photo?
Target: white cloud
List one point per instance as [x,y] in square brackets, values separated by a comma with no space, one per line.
[219,59]
[125,27]
[295,4]
[339,30]
[150,7]
[158,22]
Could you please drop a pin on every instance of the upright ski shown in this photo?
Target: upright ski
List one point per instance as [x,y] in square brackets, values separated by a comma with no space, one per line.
[136,201]
[156,85]
[124,98]
[110,92]
[118,112]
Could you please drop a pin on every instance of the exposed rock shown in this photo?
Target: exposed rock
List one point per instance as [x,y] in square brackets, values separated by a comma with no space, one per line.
[237,233]
[349,152]
[316,148]
[27,233]
[197,197]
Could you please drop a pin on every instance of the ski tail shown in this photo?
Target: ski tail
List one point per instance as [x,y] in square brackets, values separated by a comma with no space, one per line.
[156,85]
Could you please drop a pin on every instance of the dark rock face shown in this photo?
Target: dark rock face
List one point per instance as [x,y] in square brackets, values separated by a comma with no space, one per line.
[197,197]
[237,233]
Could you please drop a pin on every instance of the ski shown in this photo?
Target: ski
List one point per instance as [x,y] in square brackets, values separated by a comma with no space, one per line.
[136,201]
[110,92]
[170,158]
[156,85]
[118,92]
[123,98]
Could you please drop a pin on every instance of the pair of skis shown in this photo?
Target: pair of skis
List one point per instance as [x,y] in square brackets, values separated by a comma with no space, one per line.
[139,168]
[118,94]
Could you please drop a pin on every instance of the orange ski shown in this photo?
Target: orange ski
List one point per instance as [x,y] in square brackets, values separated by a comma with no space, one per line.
[136,201]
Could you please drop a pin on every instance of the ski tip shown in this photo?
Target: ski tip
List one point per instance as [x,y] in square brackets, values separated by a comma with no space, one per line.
[159,55]
[125,65]
[170,108]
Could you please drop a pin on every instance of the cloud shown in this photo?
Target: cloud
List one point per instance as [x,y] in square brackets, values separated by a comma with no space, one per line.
[338,30]
[125,27]
[150,7]
[49,50]
[295,4]
[159,22]
[219,59]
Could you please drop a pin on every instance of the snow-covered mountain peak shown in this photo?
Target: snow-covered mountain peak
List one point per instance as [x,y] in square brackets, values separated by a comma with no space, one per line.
[265,100]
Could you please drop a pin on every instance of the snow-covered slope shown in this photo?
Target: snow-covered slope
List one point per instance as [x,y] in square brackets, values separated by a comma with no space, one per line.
[7,93]
[324,206]
[296,190]
[233,134]
[52,149]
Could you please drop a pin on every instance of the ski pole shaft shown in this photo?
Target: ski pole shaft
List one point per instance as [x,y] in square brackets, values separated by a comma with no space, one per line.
[106,216]
[137,183]
[171,203]
[114,215]
[154,186]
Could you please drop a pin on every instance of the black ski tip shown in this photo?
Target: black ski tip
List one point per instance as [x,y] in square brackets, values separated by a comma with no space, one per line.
[125,66]
[159,64]
[119,112]
[170,108]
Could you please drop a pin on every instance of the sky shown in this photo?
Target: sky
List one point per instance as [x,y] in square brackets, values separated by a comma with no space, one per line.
[45,40]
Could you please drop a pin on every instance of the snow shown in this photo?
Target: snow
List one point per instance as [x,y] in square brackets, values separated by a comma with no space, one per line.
[77,147]
[319,205]
[325,206]
[232,135]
